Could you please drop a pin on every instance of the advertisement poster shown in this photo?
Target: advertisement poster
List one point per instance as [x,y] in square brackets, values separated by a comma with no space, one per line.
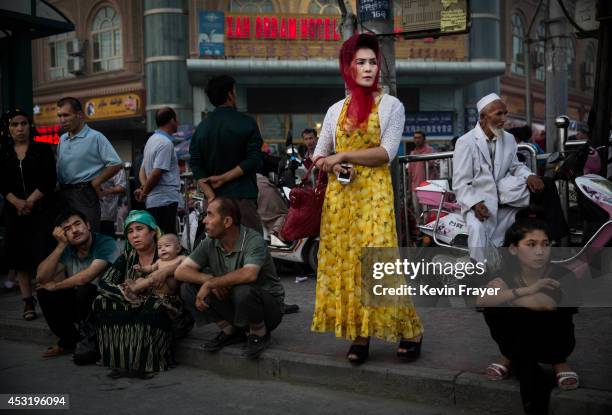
[211,37]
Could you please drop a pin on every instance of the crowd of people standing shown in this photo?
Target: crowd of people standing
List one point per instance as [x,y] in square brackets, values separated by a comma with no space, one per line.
[126,307]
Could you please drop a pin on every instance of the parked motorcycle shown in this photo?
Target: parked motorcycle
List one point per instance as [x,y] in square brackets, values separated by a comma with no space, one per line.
[288,174]
[443,222]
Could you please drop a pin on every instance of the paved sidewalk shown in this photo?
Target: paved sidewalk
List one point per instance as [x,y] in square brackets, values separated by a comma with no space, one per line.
[456,349]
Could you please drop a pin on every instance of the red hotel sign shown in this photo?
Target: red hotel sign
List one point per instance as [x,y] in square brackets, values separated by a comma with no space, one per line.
[273,27]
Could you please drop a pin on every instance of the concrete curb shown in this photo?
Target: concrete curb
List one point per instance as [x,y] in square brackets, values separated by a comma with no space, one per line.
[463,390]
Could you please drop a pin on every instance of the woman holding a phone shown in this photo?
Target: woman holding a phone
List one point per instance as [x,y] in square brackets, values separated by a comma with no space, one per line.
[359,137]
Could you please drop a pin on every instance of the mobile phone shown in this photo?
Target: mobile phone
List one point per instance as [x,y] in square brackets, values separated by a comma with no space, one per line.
[345,178]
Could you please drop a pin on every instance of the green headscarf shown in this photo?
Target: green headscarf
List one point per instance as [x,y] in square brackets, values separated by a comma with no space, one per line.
[140,216]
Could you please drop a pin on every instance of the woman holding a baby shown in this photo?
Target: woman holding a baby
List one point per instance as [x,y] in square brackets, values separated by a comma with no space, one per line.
[138,311]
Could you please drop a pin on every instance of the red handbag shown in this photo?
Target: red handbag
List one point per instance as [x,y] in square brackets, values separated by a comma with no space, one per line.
[305,207]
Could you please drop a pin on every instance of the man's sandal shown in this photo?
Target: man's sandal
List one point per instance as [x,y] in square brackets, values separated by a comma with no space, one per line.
[497,371]
[54,351]
[564,377]
[360,353]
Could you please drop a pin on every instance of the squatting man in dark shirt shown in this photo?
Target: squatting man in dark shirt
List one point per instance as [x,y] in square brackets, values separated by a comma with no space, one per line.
[231,281]
[68,280]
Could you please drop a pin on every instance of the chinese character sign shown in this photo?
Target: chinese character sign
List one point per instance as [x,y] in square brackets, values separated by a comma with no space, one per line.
[374,10]
[432,123]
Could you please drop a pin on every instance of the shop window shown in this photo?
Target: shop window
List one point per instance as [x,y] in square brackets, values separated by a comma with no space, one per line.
[302,121]
[58,55]
[571,63]
[540,57]
[251,6]
[106,40]
[518,45]
[272,126]
[324,7]
[588,68]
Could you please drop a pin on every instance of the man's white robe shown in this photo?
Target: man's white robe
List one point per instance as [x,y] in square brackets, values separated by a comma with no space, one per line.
[477,179]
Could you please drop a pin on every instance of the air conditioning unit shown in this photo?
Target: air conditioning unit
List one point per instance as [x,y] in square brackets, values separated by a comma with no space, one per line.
[74,47]
[76,65]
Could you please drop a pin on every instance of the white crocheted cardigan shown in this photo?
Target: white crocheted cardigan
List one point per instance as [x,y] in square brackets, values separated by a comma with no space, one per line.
[391,116]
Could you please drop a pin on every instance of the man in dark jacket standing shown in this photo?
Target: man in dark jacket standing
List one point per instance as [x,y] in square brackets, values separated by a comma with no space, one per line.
[226,152]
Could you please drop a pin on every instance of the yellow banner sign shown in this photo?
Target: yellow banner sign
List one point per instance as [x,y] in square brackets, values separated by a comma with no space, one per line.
[45,114]
[113,106]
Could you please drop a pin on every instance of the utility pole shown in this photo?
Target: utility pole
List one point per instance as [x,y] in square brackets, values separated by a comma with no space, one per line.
[377,16]
[599,118]
[556,71]
[527,56]
[349,20]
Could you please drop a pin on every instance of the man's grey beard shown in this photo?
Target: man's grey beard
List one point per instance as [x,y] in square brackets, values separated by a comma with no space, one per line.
[497,132]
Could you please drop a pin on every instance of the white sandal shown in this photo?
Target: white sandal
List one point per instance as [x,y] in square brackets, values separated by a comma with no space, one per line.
[563,376]
[501,371]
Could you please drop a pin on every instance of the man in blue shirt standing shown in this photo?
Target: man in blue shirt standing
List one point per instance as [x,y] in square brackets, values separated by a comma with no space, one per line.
[85,160]
[160,173]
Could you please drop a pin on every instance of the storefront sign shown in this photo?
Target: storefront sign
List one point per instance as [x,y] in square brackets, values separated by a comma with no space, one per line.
[434,16]
[48,134]
[300,36]
[287,36]
[432,123]
[282,27]
[113,106]
[211,35]
[448,48]
[45,114]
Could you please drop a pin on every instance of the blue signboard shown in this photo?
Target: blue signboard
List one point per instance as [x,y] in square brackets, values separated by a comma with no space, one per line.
[471,118]
[374,10]
[432,123]
[211,34]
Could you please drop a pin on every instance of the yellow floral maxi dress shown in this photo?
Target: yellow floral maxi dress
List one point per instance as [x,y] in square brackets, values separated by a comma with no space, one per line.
[355,216]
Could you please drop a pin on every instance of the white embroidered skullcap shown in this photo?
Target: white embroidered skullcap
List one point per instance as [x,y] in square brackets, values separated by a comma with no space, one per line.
[486,100]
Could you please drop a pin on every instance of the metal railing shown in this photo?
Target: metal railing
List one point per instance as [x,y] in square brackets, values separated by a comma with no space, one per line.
[406,188]
[563,145]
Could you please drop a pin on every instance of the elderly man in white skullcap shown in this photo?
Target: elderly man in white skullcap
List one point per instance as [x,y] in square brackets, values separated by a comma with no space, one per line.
[488,180]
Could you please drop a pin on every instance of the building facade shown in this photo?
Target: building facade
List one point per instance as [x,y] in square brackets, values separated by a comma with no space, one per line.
[516,17]
[283,55]
[101,64]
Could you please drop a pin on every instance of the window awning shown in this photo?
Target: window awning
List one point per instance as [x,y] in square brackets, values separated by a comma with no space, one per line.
[31,19]
[408,71]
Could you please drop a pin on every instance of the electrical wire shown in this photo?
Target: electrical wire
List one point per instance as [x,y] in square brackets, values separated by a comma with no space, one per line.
[567,15]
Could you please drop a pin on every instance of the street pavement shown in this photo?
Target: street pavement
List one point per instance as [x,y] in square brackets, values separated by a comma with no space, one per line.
[456,349]
[184,390]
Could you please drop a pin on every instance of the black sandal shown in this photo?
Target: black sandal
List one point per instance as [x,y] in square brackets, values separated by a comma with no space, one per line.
[362,352]
[29,310]
[412,350]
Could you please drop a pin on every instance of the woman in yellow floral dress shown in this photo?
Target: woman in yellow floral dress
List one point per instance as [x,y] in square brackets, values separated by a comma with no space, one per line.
[363,130]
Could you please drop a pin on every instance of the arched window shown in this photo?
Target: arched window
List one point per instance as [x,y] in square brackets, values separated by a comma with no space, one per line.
[540,59]
[106,40]
[588,68]
[518,37]
[251,6]
[571,63]
[324,7]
